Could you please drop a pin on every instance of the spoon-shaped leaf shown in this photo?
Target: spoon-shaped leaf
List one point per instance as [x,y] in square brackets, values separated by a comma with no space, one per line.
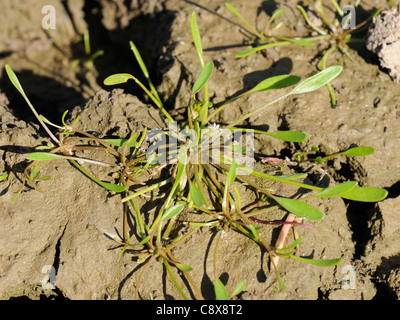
[220,290]
[365,194]
[359,151]
[117,78]
[173,211]
[299,208]
[318,80]
[204,76]
[42,156]
[337,190]
[290,136]
[277,82]
[196,195]
[320,263]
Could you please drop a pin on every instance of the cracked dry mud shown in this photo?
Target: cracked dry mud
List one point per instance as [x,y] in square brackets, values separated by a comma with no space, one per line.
[64,226]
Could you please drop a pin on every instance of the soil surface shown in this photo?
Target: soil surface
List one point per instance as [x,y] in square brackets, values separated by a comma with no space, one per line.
[65,226]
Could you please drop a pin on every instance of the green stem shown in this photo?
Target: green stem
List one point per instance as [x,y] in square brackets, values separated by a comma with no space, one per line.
[148,189]
[171,274]
[323,67]
[255,111]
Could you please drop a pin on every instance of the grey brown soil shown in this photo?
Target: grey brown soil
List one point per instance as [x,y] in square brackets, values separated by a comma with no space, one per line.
[65,226]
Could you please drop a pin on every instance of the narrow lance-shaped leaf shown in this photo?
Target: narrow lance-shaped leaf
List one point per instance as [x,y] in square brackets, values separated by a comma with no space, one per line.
[299,208]
[229,180]
[220,290]
[121,142]
[236,13]
[291,246]
[195,193]
[196,37]
[290,136]
[277,82]
[239,288]
[42,156]
[318,80]
[359,151]
[320,263]
[276,14]
[365,194]
[203,77]
[171,212]
[34,173]
[14,80]
[300,42]
[337,190]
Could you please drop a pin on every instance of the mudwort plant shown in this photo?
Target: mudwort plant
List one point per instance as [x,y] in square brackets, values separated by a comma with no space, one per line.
[200,168]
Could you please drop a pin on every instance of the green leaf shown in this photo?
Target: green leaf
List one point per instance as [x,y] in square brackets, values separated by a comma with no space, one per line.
[111,186]
[139,59]
[239,288]
[365,194]
[254,232]
[230,178]
[220,290]
[281,283]
[173,211]
[183,267]
[337,190]
[320,263]
[118,78]
[196,37]
[3,176]
[290,136]
[300,42]
[276,14]
[86,42]
[318,160]
[299,208]
[232,173]
[359,151]
[292,246]
[277,82]
[17,195]
[318,80]
[121,142]
[34,173]
[204,76]
[42,156]
[14,80]
[44,178]
[196,195]
[294,176]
